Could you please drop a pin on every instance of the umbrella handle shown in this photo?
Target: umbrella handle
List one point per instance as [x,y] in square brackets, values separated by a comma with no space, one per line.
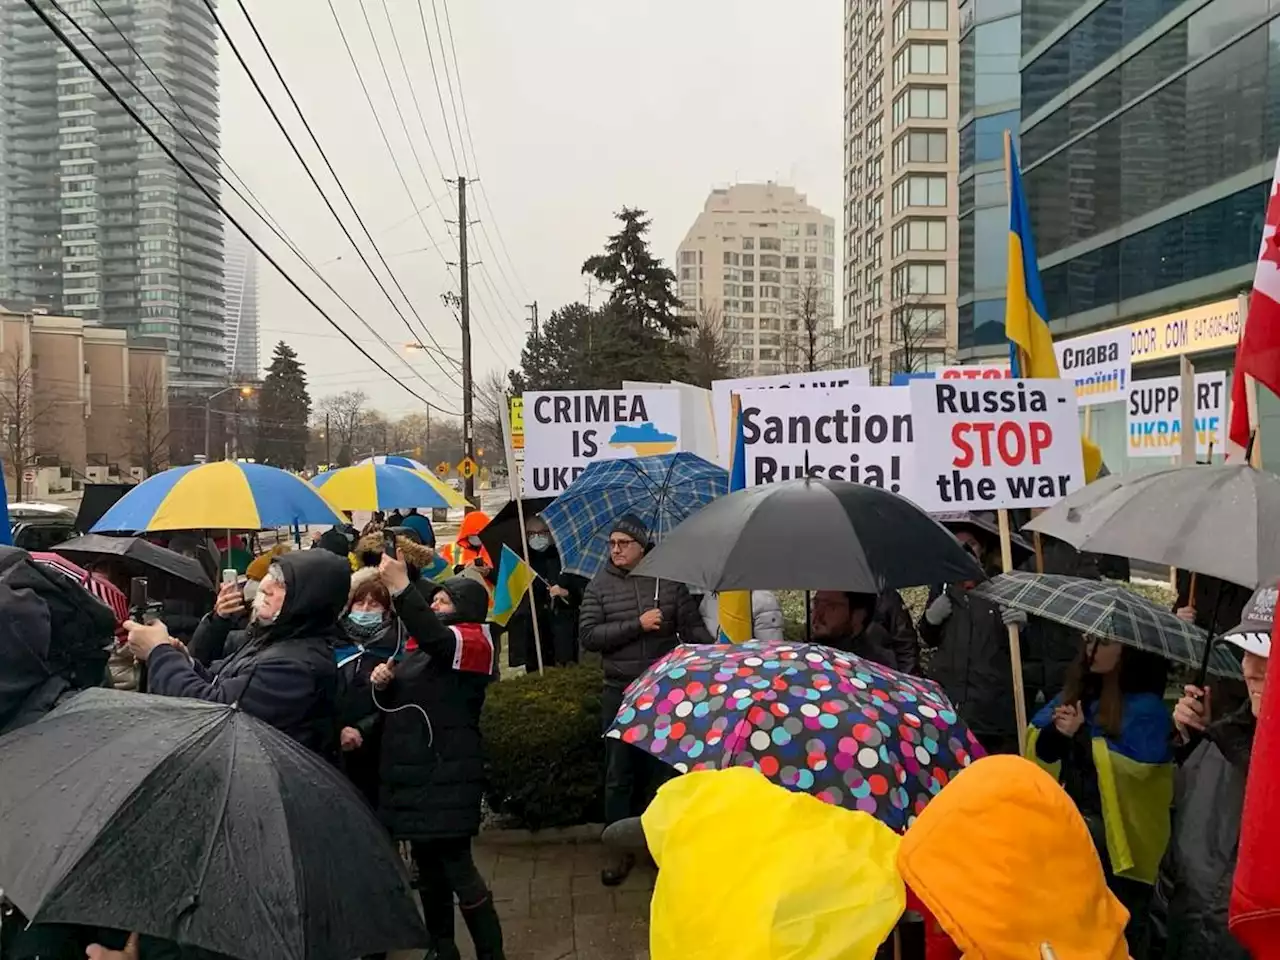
[1202,675]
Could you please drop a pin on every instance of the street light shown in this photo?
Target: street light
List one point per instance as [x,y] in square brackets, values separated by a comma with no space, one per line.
[245,391]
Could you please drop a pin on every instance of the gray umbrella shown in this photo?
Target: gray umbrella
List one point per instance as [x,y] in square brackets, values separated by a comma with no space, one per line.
[1221,521]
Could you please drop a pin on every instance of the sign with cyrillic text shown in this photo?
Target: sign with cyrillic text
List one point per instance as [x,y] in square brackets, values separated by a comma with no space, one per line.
[995,443]
[859,434]
[1155,415]
[1099,364]
[566,430]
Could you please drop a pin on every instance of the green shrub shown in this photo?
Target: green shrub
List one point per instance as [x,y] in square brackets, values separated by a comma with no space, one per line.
[545,753]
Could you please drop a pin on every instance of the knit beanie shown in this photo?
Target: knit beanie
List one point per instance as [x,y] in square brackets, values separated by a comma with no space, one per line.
[633,527]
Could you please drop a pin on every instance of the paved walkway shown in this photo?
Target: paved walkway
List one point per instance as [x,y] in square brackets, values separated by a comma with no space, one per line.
[553,906]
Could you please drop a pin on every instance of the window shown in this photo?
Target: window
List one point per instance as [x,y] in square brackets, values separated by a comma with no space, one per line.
[919,190]
[920,146]
[811,246]
[790,246]
[920,103]
[811,263]
[926,235]
[770,243]
[730,258]
[748,243]
[748,292]
[688,256]
[793,263]
[770,260]
[920,58]
[916,279]
[919,15]
[810,230]
[748,276]
[748,259]
[918,323]
[791,229]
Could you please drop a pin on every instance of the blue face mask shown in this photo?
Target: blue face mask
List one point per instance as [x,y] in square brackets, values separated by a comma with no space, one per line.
[365,618]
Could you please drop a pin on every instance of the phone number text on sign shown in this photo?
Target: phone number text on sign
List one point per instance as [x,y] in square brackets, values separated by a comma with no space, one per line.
[995,444]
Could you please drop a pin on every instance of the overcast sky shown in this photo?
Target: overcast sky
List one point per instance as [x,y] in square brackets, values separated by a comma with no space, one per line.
[576,108]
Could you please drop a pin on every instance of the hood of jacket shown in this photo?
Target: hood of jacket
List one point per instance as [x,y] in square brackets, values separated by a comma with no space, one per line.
[470,600]
[369,551]
[472,524]
[317,583]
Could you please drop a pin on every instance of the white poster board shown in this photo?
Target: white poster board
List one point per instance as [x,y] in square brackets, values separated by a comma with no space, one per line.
[697,429]
[1100,365]
[1155,415]
[722,391]
[565,430]
[991,444]
[860,434]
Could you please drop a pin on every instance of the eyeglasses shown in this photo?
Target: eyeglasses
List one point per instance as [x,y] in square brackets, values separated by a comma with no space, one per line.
[620,544]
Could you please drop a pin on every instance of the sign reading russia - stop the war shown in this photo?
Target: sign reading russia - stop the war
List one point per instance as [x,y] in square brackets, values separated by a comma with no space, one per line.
[991,444]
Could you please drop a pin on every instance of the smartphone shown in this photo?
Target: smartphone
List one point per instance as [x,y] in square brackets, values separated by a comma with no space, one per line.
[389,544]
[141,607]
[230,576]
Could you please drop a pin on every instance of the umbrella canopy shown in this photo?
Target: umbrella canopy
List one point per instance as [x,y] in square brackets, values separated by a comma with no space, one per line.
[661,490]
[195,823]
[142,557]
[810,718]
[392,460]
[1108,610]
[97,585]
[377,486]
[811,535]
[1215,520]
[504,529]
[226,495]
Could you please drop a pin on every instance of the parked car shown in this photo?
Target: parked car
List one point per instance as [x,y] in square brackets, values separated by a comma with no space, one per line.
[39,526]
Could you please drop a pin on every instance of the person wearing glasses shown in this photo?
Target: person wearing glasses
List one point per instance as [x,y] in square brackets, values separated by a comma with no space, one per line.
[632,621]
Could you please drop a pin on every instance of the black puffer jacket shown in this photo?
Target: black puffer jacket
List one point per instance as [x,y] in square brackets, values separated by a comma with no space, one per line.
[610,622]
[432,763]
[1048,648]
[971,663]
[284,673]
[892,615]
[1189,906]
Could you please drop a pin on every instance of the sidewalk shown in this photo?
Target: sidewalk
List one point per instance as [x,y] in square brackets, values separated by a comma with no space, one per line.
[553,906]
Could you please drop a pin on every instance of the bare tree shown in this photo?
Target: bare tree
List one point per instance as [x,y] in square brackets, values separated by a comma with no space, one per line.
[344,414]
[808,342]
[149,422]
[917,333]
[22,413]
[710,349]
[492,393]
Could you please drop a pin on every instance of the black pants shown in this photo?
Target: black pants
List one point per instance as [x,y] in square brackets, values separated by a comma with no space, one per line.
[445,870]
[631,775]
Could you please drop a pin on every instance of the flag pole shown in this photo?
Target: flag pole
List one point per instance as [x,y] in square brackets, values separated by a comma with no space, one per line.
[515,485]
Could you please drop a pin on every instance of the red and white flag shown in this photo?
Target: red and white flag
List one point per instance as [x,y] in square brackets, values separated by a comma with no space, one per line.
[1258,353]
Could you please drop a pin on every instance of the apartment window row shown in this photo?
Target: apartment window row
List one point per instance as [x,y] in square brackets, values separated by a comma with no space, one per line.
[918,322]
[919,57]
[919,279]
[920,146]
[920,103]
[919,15]
[920,235]
[920,190]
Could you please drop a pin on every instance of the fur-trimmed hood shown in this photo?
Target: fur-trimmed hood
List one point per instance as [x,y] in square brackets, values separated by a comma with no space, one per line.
[369,551]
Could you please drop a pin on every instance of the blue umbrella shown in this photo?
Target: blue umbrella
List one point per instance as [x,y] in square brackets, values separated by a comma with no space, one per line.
[662,491]
[394,460]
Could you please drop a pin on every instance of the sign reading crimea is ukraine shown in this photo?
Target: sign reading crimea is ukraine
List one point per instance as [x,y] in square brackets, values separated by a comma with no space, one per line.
[565,430]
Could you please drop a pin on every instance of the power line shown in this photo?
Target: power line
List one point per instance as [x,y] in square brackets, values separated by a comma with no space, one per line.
[261,213]
[173,157]
[431,59]
[332,172]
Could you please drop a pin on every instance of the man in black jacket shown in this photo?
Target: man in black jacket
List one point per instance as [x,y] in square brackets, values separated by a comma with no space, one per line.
[283,672]
[632,622]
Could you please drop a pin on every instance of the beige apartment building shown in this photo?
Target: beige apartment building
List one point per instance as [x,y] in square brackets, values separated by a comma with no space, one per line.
[901,238]
[77,402]
[760,261]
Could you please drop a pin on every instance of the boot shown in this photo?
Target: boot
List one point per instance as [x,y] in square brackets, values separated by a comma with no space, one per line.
[618,870]
[486,931]
[442,950]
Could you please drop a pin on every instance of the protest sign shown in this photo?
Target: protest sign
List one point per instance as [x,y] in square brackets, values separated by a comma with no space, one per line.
[1099,364]
[815,380]
[977,371]
[566,430]
[860,434]
[1155,415]
[991,444]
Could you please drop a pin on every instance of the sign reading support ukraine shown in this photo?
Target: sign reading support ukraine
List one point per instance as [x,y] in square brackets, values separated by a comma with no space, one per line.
[566,430]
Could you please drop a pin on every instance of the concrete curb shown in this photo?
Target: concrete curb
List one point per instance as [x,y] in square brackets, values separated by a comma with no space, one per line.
[584,833]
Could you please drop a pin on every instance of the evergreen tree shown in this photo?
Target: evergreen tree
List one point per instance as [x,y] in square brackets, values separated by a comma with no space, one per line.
[575,350]
[284,410]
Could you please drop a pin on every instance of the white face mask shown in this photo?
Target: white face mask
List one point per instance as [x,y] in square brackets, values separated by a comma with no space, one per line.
[539,541]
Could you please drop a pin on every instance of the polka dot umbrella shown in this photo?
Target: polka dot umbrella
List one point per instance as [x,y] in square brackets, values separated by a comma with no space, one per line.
[810,718]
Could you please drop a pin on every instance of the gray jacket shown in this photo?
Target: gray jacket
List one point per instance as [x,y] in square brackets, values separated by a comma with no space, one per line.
[766,615]
[609,623]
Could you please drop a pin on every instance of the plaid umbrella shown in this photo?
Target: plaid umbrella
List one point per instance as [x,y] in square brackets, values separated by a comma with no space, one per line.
[662,491]
[1100,609]
[810,718]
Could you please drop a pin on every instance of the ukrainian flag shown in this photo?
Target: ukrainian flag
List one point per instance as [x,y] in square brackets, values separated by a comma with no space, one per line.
[1026,315]
[736,625]
[514,579]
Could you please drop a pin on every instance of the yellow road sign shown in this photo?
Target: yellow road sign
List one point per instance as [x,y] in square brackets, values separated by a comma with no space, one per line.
[466,468]
[517,423]
[443,468]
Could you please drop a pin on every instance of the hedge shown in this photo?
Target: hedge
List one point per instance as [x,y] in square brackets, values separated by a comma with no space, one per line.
[545,753]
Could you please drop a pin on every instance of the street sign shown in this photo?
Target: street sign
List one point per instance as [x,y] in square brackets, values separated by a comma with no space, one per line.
[466,468]
[517,423]
[28,476]
[442,468]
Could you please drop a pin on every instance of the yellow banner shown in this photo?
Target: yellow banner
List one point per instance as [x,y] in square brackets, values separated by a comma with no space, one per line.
[517,423]
[1215,326]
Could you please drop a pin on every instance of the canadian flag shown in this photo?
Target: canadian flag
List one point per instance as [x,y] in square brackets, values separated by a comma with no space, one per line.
[1258,352]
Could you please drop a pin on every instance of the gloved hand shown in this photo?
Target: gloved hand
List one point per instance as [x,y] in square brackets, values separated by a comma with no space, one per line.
[1013,618]
[939,610]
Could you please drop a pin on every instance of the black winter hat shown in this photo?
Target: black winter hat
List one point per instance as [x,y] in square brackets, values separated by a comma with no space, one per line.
[633,527]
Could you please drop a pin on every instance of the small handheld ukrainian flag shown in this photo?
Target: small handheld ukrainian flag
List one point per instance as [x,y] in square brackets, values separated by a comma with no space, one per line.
[437,569]
[734,606]
[515,577]
[1026,312]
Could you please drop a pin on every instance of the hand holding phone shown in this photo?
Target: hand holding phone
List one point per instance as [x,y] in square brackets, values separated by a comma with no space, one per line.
[389,544]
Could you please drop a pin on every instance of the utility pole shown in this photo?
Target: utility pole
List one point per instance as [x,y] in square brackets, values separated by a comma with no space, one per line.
[328,457]
[468,436]
[533,308]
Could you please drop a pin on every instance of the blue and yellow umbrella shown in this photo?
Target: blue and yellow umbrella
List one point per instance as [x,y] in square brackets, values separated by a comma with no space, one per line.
[218,496]
[379,486]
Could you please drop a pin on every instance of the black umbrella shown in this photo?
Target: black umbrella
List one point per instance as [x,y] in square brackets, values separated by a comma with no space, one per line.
[142,557]
[504,528]
[195,823]
[810,535]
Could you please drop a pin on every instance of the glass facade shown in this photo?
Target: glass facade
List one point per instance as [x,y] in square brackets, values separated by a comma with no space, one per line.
[1152,174]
